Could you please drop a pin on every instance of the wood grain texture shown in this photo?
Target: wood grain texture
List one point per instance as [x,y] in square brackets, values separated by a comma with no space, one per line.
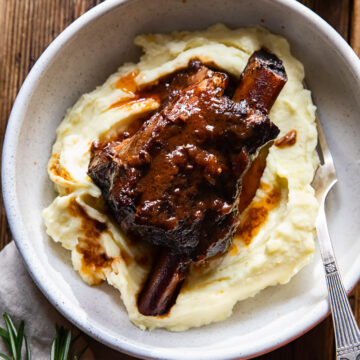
[355,27]
[335,12]
[27,27]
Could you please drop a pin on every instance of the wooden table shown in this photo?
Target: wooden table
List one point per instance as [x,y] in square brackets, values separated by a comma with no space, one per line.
[27,27]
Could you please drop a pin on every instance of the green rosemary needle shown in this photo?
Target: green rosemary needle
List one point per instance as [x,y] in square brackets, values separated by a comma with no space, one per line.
[13,339]
[60,349]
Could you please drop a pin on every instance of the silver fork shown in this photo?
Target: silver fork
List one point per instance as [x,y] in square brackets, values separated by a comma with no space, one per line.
[347,334]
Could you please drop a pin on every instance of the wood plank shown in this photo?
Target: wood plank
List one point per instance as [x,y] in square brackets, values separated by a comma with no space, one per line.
[27,28]
[355,27]
[335,12]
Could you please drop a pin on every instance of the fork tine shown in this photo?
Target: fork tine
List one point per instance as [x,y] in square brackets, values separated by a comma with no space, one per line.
[327,158]
[322,143]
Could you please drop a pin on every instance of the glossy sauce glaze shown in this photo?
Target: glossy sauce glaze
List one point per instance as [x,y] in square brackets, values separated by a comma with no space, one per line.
[127,83]
[176,182]
[182,167]
[136,97]
[160,91]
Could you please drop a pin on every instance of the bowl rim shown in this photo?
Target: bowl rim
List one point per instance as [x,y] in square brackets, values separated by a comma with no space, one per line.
[8,173]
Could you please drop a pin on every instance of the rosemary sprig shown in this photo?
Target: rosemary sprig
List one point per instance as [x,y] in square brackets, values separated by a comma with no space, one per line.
[62,344]
[13,339]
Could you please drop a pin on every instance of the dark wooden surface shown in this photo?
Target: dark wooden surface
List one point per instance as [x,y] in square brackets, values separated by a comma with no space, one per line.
[28,26]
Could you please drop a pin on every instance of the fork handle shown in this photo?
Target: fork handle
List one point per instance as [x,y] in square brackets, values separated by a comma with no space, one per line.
[347,334]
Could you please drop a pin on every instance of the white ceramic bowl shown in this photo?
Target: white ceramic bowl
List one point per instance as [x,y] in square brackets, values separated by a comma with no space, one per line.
[82,57]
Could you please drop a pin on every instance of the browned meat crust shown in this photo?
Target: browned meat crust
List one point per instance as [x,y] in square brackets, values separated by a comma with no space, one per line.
[176,181]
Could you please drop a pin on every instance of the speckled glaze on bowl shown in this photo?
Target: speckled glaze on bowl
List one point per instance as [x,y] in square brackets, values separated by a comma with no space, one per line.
[81,58]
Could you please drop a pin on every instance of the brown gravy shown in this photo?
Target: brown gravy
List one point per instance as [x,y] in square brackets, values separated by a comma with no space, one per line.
[58,170]
[127,83]
[159,91]
[133,102]
[138,96]
[94,257]
[257,214]
[289,139]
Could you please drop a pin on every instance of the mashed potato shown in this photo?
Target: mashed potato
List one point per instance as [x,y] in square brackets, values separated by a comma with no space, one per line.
[276,236]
